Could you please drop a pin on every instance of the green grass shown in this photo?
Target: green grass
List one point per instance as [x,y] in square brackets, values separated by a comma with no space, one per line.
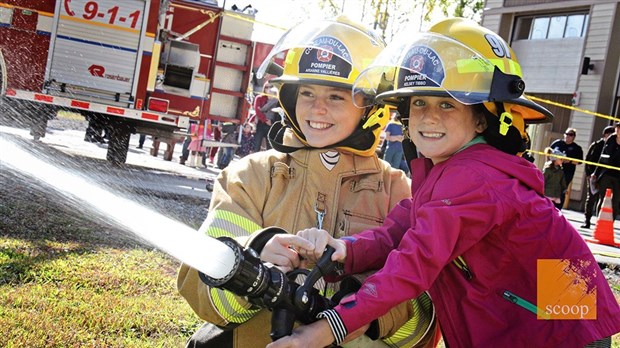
[70,115]
[61,295]
[68,282]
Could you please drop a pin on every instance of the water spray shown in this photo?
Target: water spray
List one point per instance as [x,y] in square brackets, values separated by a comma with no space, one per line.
[176,239]
[224,263]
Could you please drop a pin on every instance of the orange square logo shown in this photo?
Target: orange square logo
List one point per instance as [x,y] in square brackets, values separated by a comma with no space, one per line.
[565,289]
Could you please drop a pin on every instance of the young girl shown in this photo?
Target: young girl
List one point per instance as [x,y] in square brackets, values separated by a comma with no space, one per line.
[322,171]
[195,146]
[246,145]
[478,225]
[555,184]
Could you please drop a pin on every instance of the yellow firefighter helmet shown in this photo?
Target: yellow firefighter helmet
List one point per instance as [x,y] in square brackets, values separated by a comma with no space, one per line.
[329,52]
[459,58]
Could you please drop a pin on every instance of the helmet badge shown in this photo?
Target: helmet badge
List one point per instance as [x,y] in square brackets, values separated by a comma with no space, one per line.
[423,67]
[328,57]
[324,55]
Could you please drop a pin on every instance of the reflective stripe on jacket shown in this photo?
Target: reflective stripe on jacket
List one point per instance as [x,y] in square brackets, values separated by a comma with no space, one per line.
[270,188]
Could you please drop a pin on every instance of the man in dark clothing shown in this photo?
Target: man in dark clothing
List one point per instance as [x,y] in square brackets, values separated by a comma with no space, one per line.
[226,153]
[607,178]
[572,150]
[593,155]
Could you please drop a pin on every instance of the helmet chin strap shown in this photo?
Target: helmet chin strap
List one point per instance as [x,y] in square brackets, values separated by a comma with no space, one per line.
[361,139]
[276,138]
[505,118]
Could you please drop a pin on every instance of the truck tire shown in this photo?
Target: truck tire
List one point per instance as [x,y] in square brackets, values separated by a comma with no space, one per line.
[118,145]
[38,114]
[25,114]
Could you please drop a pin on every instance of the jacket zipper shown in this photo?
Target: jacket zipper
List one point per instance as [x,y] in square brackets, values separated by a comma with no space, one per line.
[462,265]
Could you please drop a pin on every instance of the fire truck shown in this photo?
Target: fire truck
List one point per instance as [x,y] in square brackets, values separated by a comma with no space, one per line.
[135,66]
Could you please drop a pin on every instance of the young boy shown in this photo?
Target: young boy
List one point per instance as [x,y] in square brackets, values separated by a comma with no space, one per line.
[555,184]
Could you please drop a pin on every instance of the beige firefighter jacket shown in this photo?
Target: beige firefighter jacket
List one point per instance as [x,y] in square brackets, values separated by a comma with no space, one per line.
[285,190]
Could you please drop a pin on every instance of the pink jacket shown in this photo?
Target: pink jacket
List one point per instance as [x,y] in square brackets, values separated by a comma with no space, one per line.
[489,208]
[197,134]
[259,101]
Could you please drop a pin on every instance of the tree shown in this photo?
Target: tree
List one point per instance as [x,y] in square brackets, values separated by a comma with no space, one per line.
[390,16]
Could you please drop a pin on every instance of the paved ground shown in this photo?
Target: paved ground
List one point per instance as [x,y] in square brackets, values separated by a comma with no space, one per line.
[150,172]
[603,253]
[71,141]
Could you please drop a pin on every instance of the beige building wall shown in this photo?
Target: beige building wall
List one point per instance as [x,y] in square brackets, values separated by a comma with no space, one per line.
[552,67]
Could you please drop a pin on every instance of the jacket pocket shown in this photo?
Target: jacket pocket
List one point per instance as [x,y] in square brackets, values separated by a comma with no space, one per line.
[366,184]
[355,222]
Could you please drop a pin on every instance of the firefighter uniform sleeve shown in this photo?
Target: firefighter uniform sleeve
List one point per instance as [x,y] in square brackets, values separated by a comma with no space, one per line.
[233,212]
[410,323]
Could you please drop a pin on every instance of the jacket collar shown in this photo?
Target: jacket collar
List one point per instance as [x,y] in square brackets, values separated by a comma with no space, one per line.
[331,160]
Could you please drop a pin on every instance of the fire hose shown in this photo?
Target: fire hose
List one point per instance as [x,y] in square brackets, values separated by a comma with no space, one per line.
[266,286]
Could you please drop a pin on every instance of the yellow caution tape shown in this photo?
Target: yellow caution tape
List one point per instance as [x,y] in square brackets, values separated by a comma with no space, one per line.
[546,101]
[606,253]
[574,160]
[573,108]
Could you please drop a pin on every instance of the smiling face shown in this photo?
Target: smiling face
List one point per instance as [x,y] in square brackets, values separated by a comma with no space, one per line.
[326,115]
[440,126]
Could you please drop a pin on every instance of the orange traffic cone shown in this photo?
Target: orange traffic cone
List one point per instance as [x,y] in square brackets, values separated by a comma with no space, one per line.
[604,231]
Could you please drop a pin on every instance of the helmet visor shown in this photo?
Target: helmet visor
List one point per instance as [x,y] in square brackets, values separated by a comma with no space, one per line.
[319,48]
[427,64]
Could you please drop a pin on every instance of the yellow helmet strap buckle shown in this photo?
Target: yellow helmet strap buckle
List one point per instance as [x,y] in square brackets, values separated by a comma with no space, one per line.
[375,116]
[505,121]
[505,118]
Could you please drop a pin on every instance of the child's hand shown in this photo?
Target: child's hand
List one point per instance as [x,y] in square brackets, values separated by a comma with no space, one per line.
[281,250]
[317,334]
[320,239]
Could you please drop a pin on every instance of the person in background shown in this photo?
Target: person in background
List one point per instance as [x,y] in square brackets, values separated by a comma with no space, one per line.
[270,109]
[217,136]
[478,222]
[195,147]
[528,145]
[394,137]
[96,131]
[185,148]
[607,178]
[229,136]
[553,174]
[568,146]
[322,171]
[141,141]
[263,123]
[592,193]
[404,166]
[246,146]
